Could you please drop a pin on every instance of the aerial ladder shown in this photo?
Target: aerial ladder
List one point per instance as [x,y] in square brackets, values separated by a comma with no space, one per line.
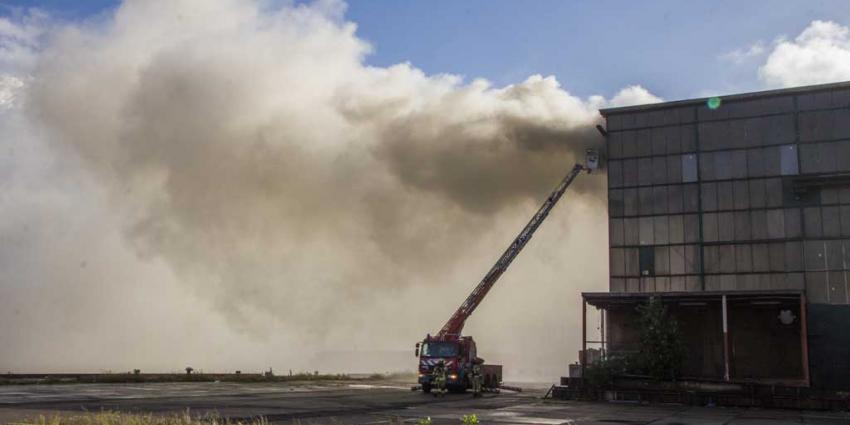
[457,352]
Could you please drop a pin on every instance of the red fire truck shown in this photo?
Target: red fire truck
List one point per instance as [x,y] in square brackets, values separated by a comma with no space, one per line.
[458,352]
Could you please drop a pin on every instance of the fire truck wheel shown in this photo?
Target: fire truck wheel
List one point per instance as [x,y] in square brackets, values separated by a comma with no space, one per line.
[426,388]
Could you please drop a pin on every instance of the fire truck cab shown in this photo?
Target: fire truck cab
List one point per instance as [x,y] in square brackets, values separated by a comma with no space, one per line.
[458,356]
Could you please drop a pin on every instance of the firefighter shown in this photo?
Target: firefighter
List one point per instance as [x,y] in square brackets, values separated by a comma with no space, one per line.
[477,379]
[477,376]
[438,377]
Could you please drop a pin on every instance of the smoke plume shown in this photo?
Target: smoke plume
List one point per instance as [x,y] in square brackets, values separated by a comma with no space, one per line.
[229,183]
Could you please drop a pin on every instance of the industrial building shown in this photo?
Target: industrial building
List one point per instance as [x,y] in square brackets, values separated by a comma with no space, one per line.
[735,212]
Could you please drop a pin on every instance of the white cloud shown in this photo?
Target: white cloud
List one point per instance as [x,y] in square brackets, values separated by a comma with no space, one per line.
[820,54]
[633,95]
[741,55]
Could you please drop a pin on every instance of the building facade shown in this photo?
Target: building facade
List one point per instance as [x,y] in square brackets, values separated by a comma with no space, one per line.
[736,212]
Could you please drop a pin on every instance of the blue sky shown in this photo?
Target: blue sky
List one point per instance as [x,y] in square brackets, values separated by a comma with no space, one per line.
[673,48]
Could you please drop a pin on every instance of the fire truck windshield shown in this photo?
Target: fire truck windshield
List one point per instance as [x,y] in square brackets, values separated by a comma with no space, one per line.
[439,349]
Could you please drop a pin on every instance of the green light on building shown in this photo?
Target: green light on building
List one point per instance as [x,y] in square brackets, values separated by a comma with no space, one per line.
[713,103]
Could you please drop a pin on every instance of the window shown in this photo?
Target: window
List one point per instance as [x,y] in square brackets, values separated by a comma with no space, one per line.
[439,349]
[677,259]
[645,231]
[662,260]
[618,262]
[677,229]
[647,261]
[615,173]
[661,230]
[689,168]
[814,253]
[788,160]
[674,169]
[743,258]
[659,170]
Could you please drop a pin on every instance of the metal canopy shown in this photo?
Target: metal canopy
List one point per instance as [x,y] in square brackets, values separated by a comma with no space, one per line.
[605,299]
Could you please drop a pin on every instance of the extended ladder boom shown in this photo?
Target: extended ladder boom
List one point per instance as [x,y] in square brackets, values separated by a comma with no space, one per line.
[454,326]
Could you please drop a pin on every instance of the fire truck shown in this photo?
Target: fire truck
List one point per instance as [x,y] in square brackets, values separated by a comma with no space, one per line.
[458,352]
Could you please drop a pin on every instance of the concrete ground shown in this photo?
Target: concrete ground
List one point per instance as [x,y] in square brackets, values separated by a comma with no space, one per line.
[357,403]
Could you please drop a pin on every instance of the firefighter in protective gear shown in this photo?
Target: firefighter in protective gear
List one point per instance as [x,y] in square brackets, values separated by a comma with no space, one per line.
[438,377]
[477,379]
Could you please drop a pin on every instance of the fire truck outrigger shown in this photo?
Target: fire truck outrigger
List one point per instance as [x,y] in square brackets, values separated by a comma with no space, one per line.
[459,352]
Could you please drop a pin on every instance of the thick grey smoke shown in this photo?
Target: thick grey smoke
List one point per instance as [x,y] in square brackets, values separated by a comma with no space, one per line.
[240,164]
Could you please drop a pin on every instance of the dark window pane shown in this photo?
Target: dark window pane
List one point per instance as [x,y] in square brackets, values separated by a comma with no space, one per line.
[723,165]
[647,261]
[758,224]
[743,259]
[645,200]
[816,289]
[775,224]
[741,194]
[659,170]
[646,232]
[645,171]
[831,221]
[773,192]
[761,258]
[812,222]
[755,163]
[690,195]
[725,226]
[706,166]
[692,259]
[793,256]
[662,261]
[630,202]
[726,254]
[631,258]
[742,226]
[776,251]
[834,253]
[659,200]
[709,196]
[630,231]
[677,259]
[674,199]
[677,229]
[630,172]
[757,193]
[615,173]
[617,262]
[792,223]
[616,232]
[661,230]
[739,164]
[674,169]
[711,255]
[709,227]
[615,202]
[691,222]
[725,198]
[815,255]
[845,220]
